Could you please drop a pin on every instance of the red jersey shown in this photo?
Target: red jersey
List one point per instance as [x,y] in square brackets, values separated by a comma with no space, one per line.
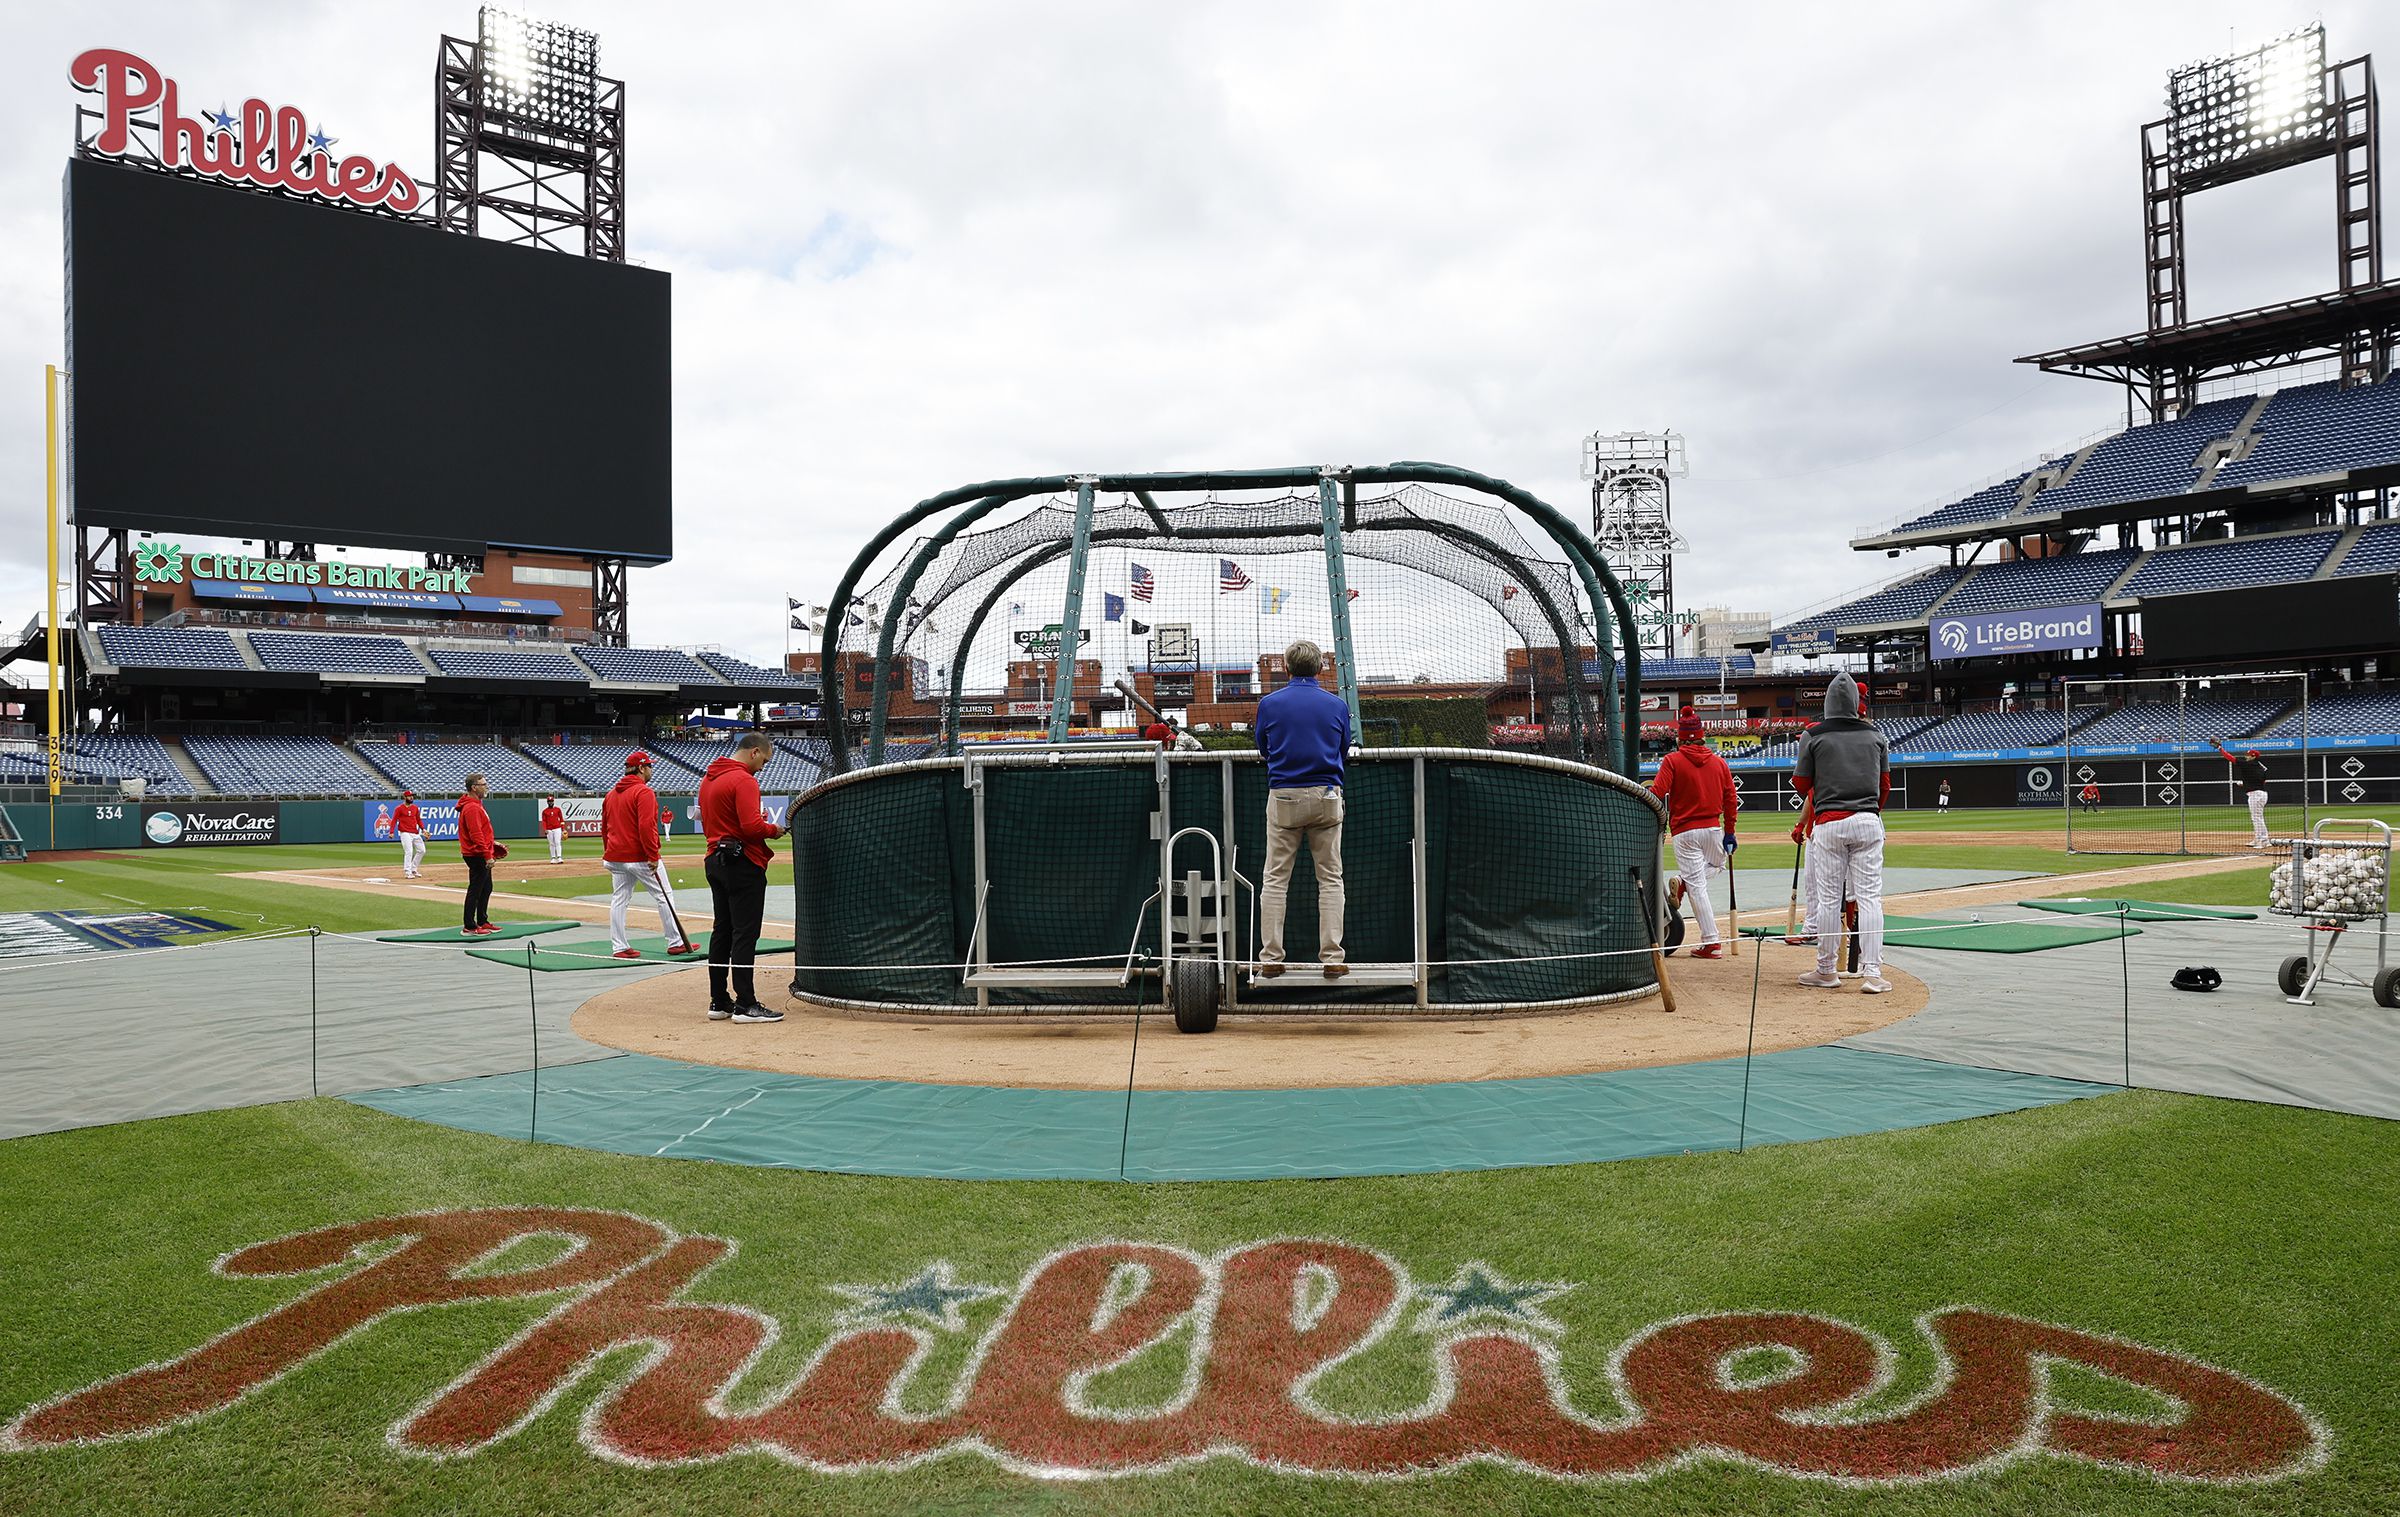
[553,819]
[405,819]
[474,829]
[1697,787]
[629,823]
[1159,732]
[729,809]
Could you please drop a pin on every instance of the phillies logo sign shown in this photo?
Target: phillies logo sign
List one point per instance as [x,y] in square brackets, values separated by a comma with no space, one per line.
[1251,1338]
[272,147]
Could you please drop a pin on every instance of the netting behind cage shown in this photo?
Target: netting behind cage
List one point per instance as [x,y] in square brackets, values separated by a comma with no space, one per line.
[1462,632]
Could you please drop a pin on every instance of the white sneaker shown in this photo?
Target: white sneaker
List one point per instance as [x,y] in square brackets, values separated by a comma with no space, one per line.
[1875,984]
[1818,979]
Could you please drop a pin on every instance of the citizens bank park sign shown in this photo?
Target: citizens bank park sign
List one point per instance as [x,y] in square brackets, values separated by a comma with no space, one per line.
[166,564]
[266,146]
[661,1369]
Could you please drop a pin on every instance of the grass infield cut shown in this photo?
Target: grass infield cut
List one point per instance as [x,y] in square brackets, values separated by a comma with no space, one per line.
[2206,1233]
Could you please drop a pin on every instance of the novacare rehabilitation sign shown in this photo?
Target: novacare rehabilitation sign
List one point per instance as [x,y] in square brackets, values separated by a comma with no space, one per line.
[2045,631]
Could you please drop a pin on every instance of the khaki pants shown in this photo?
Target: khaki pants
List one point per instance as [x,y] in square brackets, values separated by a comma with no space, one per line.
[1313,814]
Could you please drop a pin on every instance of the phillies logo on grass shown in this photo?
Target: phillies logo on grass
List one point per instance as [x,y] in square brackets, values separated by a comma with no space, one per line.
[272,147]
[1249,1340]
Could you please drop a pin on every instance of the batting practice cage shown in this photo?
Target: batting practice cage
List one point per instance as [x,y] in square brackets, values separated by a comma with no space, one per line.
[994,834]
[2141,771]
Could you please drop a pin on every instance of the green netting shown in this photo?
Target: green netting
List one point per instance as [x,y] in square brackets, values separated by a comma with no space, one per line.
[1537,876]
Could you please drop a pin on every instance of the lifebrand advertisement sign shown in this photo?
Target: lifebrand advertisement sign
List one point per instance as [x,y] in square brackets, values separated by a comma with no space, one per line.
[2053,629]
[190,824]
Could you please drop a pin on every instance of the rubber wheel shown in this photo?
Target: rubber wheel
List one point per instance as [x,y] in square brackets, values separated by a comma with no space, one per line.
[1674,939]
[1192,994]
[2387,986]
[2294,974]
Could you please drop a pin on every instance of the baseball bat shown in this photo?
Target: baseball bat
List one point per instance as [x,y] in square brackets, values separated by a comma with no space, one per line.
[1733,915]
[1791,908]
[1643,900]
[1125,689]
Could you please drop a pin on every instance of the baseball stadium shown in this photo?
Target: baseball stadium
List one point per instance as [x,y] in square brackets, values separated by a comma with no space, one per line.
[1221,986]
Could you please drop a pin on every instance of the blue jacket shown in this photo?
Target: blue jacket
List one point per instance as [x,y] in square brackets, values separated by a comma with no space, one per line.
[1304,731]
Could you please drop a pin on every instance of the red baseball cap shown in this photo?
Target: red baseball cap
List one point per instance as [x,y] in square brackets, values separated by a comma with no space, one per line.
[408,795]
[637,759]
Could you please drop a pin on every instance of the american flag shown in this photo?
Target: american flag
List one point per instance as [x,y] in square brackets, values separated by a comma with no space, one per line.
[1230,577]
[1144,587]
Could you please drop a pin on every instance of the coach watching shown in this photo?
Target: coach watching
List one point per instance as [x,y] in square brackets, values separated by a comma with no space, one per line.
[738,832]
[1303,732]
[1844,773]
[479,848]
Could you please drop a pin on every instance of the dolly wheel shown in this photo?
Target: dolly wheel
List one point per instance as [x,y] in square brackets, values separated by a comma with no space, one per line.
[2387,986]
[1674,932]
[1192,994]
[2294,974]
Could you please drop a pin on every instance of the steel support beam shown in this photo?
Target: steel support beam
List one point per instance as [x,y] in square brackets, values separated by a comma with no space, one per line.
[1337,587]
[1070,621]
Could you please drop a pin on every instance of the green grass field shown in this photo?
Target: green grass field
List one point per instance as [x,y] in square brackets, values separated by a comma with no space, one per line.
[2256,1239]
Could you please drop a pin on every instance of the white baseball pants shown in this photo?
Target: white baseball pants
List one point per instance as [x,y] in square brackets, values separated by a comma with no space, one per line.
[1696,853]
[652,877]
[2258,818]
[558,843]
[412,853]
[1848,852]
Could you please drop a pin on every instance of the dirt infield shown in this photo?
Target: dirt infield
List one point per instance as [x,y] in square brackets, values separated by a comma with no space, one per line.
[528,857]
[664,1015]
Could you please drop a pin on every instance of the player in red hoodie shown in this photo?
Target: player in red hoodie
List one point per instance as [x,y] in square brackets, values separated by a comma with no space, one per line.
[408,825]
[479,848]
[738,832]
[629,842]
[1701,803]
[554,829]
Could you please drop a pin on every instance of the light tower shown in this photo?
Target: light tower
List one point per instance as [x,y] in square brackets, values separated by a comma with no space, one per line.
[1633,521]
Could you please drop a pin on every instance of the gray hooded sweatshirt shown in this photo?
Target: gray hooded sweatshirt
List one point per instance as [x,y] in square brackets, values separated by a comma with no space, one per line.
[1844,756]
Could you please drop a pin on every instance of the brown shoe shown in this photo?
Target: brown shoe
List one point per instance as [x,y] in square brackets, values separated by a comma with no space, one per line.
[1336,971]
[1269,971]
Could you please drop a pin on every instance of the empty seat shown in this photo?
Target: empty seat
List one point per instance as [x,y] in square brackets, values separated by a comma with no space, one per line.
[788,773]
[2223,565]
[334,654]
[2311,430]
[644,666]
[442,768]
[509,664]
[280,766]
[1985,730]
[170,648]
[2196,721]
[2027,584]
[736,672]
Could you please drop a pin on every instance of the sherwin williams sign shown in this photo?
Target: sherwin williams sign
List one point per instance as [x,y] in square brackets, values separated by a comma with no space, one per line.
[438,819]
[2048,630]
[208,824]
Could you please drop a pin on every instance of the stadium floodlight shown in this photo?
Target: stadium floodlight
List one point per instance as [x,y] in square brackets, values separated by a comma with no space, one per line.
[540,71]
[2229,118]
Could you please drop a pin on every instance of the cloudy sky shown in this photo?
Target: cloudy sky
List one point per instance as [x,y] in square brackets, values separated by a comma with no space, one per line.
[916,245]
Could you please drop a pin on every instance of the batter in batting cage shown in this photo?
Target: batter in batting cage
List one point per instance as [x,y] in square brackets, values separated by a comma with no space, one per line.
[2186,764]
[953,860]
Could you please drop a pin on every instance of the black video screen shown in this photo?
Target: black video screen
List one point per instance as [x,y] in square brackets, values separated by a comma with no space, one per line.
[2359,615]
[246,365]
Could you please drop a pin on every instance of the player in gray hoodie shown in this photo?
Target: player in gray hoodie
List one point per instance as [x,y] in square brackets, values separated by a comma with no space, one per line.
[1844,770]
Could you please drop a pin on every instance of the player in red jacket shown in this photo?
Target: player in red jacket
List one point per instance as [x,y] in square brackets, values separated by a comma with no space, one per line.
[480,849]
[738,832]
[408,825]
[629,844]
[554,829]
[1701,803]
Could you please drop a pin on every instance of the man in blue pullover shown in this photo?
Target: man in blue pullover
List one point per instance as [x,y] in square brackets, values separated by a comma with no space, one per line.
[1304,734]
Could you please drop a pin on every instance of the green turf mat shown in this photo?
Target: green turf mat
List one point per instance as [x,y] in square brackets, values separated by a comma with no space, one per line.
[2142,911]
[453,935]
[638,1104]
[596,954]
[1982,937]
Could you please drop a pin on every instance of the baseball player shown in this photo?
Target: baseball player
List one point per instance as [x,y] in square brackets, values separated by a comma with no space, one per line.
[629,843]
[554,829]
[409,826]
[1701,805]
[2250,772]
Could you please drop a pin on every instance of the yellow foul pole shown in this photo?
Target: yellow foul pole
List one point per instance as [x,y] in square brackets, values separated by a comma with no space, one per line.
[50,622]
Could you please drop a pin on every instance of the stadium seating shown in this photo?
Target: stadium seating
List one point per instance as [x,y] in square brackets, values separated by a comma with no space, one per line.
[1905,601]
[280,766]
[644,666]
[442,768]
[2377,551]
[597,766]
[735,672]
[1992,503]
[2200,721]
[1986,729]
[2146,463]
[494,663]
[170,648]
[2344,713]
[106,759]
[2223,565]
[788,773]
[2319,429]
[339,654]
[2027,583]
[1656,669]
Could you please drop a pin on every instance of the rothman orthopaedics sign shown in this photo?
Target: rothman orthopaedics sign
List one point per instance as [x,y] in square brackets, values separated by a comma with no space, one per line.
[2051,629]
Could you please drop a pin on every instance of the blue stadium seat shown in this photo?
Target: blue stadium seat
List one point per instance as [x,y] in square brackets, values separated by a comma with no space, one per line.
[2223,565]
[552,667]
[1655,670]
[2345,713]
[789,772]
[2210,720]
[280,766]
[597,766]
[644,666]
[106,759]
[2319,429]
[335,654]
[2146,463]
[170,648]
[2028,583]
[2377,551]
[1990,504]
[735,672]
[441,769]
[1986,729]
[1903,602]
